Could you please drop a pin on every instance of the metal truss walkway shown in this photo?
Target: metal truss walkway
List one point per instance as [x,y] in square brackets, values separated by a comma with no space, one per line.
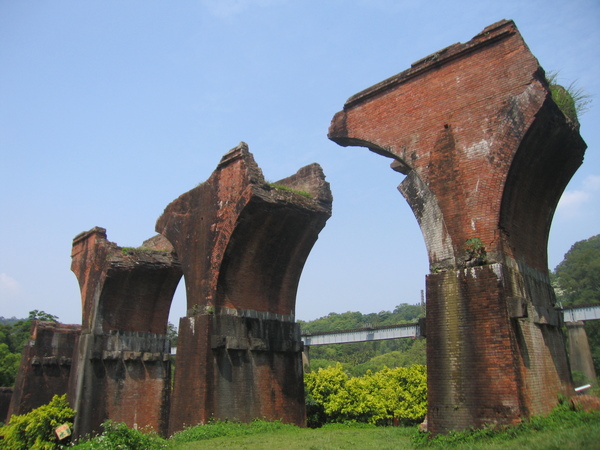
[570,314]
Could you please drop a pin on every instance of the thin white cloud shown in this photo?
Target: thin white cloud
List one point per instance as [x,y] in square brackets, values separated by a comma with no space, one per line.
[592,183]
[228,8]
[8,284]
[573,202]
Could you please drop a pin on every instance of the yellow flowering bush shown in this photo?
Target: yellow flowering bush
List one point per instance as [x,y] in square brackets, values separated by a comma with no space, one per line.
[377,398]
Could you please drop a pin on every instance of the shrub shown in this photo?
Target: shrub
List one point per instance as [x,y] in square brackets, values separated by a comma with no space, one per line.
[572,100]
[35,430]
[119,436]
[562,417]
[227,428]
[321,388]
[376,398]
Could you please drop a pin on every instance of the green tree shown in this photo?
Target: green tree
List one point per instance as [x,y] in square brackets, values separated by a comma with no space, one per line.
[9,366]
[321,387]
[378,398]
[577,277]
[416,354]
[172,334]
[41,315]
[405,313]
[12,340]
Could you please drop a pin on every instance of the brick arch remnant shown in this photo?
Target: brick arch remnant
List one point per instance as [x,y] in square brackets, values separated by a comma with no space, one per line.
[242,244]
[487,155]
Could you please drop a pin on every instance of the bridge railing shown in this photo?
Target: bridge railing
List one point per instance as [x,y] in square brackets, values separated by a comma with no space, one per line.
[581,313]
[362,335]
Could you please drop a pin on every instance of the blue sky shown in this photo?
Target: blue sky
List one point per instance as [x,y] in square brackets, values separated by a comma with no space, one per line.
[110,110]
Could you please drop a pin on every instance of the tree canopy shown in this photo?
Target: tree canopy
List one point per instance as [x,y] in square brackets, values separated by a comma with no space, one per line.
[378,398]
[13,336]
[577,277]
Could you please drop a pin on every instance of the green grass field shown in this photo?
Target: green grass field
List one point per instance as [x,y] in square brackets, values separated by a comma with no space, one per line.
[562,429]
[584,436]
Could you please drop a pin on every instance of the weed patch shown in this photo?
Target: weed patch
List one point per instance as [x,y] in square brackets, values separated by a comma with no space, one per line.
[119,436]
[281,187]
[218,429]
[562,418]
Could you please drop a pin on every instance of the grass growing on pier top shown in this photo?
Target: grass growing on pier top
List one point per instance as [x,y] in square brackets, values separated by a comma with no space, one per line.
[281,187]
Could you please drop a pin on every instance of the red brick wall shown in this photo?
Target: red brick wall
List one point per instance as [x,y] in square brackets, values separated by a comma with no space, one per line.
[123,377]
[192,401]
[133,391]
[251,369]
[470,364]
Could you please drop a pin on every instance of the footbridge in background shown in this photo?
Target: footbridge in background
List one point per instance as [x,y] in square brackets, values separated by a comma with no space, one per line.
[411,330]
[571,314]
[581,313]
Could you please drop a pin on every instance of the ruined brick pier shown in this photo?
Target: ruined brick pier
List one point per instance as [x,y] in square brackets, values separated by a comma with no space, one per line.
[242,244]
[487,154]
[45,366]
[122,368]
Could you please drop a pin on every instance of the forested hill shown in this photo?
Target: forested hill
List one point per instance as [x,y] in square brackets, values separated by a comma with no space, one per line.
[402,314]
[9,321]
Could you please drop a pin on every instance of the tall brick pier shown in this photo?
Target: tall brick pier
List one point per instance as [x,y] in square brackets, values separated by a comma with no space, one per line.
[487,154]
[242,244]
[122,368]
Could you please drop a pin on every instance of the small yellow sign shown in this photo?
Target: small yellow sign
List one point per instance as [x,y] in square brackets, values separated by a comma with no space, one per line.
[63,431]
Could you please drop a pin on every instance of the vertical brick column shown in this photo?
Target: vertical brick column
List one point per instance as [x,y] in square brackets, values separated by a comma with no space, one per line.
[122,368]
[487,154]
[242,244]
[579,351]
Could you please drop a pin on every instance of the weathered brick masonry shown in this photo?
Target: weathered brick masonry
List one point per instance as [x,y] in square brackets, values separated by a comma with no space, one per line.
[122,368]
[242,244]
[45,366]
[487,154]
[5,397]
